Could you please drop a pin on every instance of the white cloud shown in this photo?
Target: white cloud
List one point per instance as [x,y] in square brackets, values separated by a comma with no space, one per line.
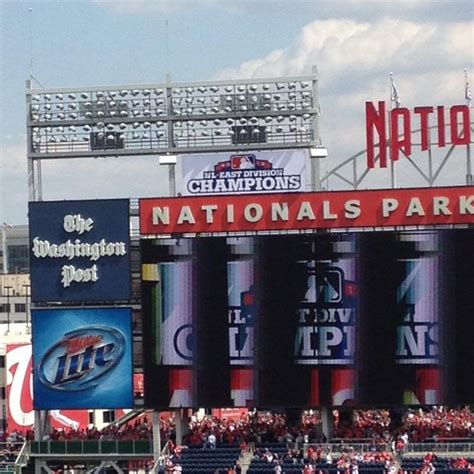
[347,47]
[354,60]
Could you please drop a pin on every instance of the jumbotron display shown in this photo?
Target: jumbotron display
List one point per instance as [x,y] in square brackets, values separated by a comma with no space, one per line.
[373,318]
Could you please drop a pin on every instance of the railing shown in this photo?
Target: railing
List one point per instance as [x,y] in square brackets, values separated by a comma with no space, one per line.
[9,452]
[133,448]
[339,448]
[466,447]
[22,458]
[161,460]
[440,448]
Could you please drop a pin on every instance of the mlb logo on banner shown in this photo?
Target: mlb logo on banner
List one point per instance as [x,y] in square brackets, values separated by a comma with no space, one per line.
[241,162]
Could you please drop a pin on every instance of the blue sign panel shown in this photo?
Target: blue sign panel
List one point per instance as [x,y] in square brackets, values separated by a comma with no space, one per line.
[82,358]
[80,250]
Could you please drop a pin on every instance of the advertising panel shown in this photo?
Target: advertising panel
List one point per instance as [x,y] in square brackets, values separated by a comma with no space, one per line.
[328,314]
[168,293]
[79,250]
[242,313]
[82,358]
[369,318]
[19,396]
[177,327]
[245,173]
[301,211]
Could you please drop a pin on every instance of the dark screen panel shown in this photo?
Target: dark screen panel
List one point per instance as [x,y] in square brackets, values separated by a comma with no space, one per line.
[370,319]
[212,328]
[460,307]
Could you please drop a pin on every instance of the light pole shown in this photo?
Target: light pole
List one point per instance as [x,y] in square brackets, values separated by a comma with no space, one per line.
[4,247]
[27,306]
[7,289]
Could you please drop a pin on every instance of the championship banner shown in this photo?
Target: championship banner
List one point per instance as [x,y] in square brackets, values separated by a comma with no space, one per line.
[245,173]
[305,211]
[82,358]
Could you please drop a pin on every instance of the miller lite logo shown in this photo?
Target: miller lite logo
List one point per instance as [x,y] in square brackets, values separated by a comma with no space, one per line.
[81,358]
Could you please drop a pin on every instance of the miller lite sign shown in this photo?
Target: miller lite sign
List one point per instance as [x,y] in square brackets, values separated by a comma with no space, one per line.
[82,358]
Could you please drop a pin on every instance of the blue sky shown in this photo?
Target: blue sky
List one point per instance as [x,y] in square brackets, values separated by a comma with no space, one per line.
[355,45]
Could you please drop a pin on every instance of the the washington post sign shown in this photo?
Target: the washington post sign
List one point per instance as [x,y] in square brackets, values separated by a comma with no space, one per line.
[80,250]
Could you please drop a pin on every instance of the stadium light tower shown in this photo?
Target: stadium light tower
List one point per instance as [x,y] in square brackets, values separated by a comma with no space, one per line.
[4,247]
[169,119]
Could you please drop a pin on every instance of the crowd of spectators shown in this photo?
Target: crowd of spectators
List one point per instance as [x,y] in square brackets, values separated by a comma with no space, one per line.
[318,459]
[253,428]
[438,424]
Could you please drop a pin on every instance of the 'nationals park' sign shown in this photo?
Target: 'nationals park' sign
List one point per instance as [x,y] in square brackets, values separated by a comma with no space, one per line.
[452,128]
[304,211]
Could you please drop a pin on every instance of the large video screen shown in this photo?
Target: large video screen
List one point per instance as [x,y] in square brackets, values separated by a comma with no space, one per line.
[358,319]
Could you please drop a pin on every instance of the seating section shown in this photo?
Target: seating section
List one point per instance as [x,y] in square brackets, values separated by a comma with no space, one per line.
[260,466]
[199,460]
[441,466]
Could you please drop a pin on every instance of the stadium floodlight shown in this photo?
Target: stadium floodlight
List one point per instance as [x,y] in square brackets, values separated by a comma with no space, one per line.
[168,159]
[218,116]
[318,152]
